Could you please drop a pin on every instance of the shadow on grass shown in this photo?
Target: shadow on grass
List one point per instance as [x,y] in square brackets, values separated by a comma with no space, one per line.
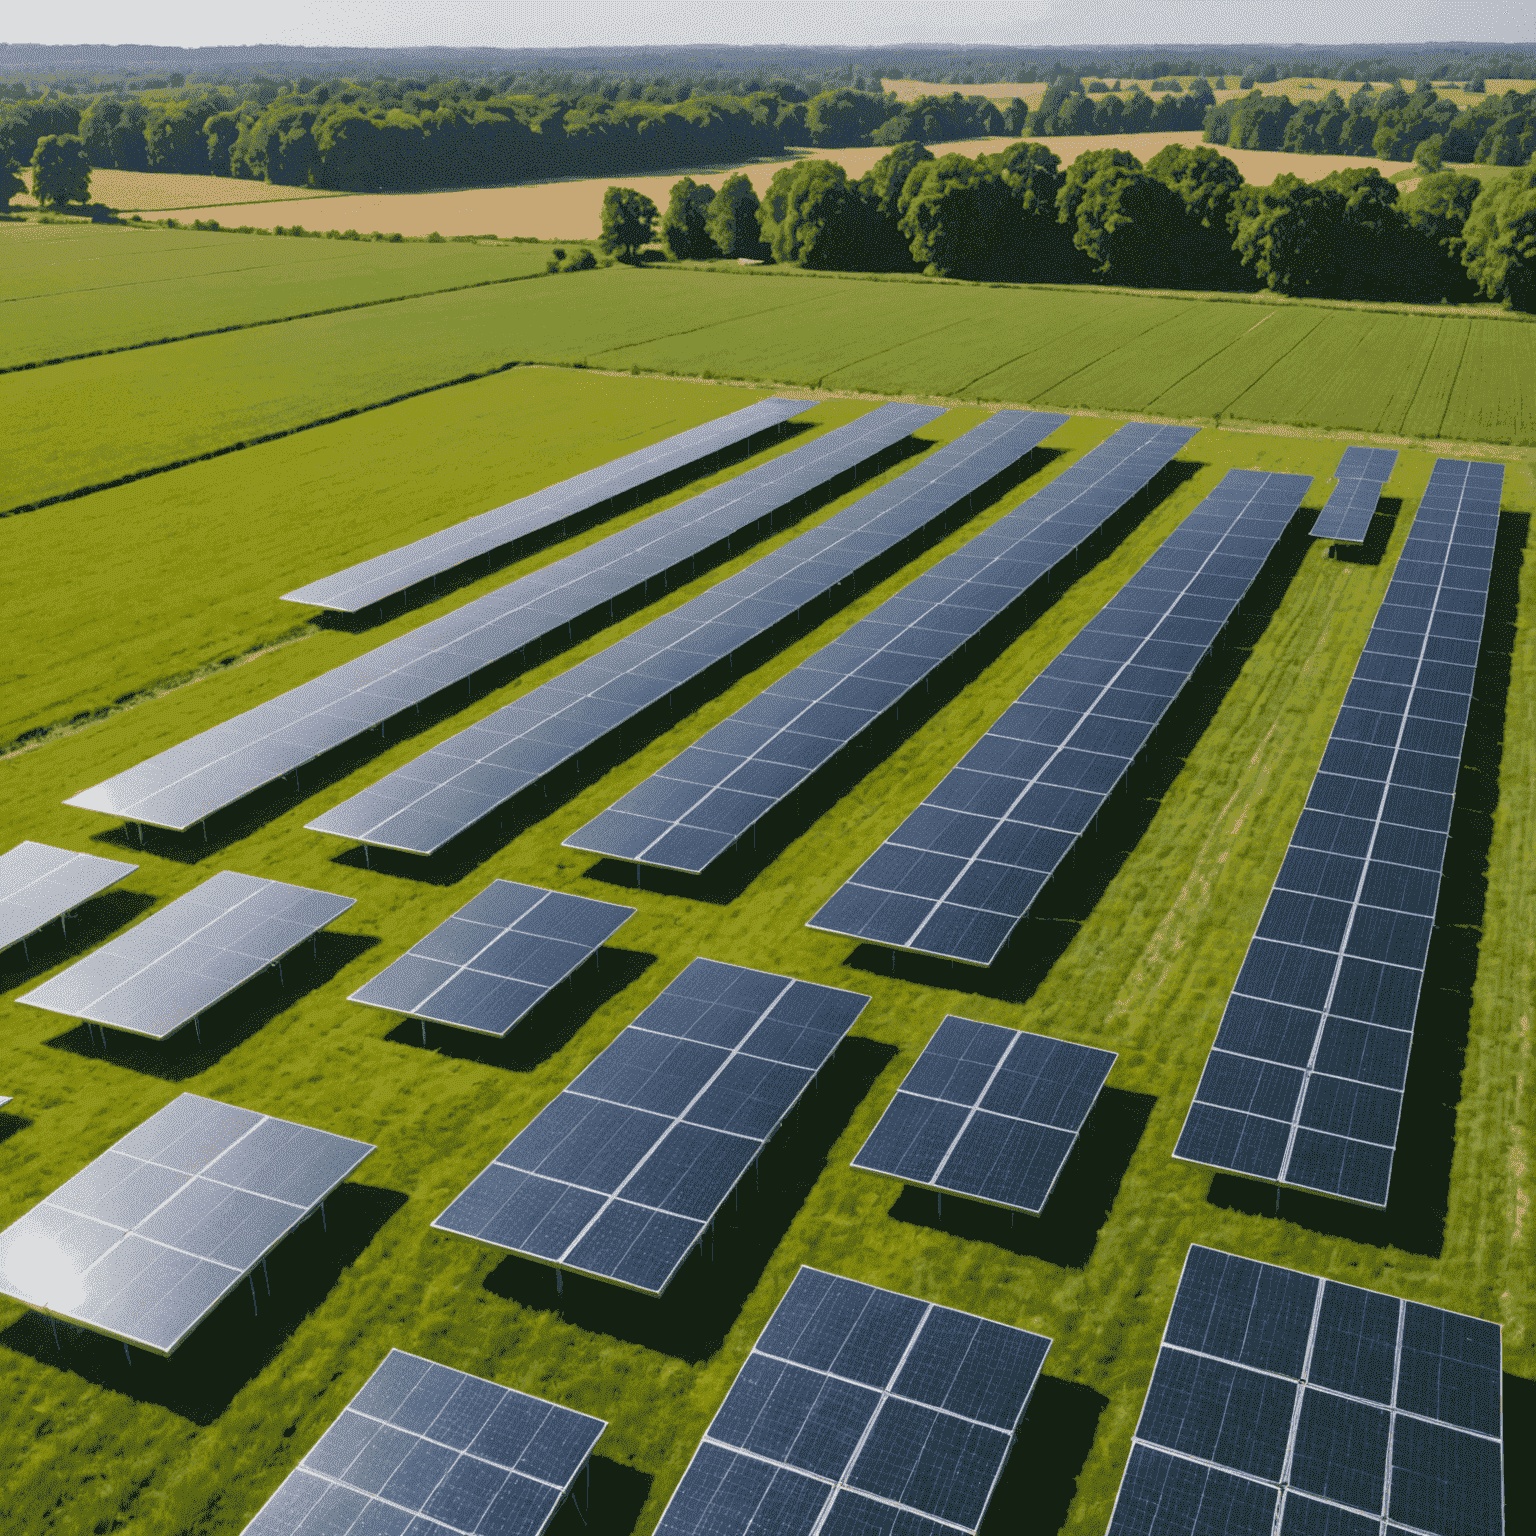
[690,1321]
[547,1027]
[1519,1468]
[89,925]
[606,1501]
[230,1022]
[10,1124]
[1040,1481]
[1370,550]
[1067,1229]
[233,1344]
[1420,1194]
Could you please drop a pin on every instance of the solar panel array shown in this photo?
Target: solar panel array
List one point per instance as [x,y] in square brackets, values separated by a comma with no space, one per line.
[619,1176]
[988,1112]
[188,782]
[483,968]
[1282,1403]
[860,1410]
[39,883]
[690,812]
[958,874]
[437,1452]
[371,581]
[445,791]
[161,974]
[1347,513]
[147,1239]
[1305,1081]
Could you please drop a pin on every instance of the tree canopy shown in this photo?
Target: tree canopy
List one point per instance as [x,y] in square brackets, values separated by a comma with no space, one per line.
[61,171]
[629,222]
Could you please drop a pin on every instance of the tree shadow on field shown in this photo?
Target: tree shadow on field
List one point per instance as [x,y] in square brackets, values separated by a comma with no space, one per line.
[606,1501]
[1370,550]
[1519,1469]
[10,1124]
[234,1343]
[546,1028]
[1038,1484]
[229,1022]
[690,1321]
[90,924]
[1418,1199]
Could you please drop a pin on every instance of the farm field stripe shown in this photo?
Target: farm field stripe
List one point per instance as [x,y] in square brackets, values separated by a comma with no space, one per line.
[1113,347]
[1220,352]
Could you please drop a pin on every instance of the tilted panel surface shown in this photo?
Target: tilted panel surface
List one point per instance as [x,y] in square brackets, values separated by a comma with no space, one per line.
[147,1239]
[39,883]
[619,1176]
[1347,513]
[1304,1084]
[183,785]
[690,812]
[420,806]
[958,874]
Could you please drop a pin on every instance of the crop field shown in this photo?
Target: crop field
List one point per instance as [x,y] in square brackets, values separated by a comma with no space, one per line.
[170,191]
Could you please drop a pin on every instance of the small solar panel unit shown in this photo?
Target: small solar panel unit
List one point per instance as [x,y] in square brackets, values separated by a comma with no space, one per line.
[989,1113]
[425,1450]
[860,1410]
[187,783]
[421,806]
[160,975]
[957,876]
[697,807]
[483,968]
[1347,514]
[621,1174]
[39,883]
[1304,1084]
[4,1100]
[623,481]
[147,1239]
[1284,1403]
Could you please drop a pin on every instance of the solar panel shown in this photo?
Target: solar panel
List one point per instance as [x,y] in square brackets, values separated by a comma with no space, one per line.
[445,791]
[4,1100]
[989,1113]
[860,1410]
[161,974]
[1285,1403]
[1304,1084]
[702,803]
[958,874]
[620,1175]
[483,968]
[188,782]
[1347,513]
[631,477]
[147,1239]
[39,883]
[436,1450]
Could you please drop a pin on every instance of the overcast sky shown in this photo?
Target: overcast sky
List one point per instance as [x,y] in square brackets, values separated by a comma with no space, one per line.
[556,24]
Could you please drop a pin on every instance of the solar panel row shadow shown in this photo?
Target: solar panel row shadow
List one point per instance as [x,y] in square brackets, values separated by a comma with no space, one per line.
[860,1410]
[161,974]
[1347,513]
[1304,1084]
[371,581]
[442,793]
[989,1113]
[39,883]
[620,1175]
[483,968]
[958,874]
[425,1450]
[147,1239]
[188,782]
[702,803]
[1283,1403]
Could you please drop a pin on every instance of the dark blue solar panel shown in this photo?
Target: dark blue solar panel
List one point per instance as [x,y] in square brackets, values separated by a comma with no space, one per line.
[1348,511]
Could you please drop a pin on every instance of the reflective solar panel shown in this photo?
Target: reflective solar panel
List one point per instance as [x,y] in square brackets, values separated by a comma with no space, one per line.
[703,802]
[39,883]
[1304,1084]
[147,1239]
[442,793]
[620,1175]
[183,785]
[1285,1403]
[860,1410]
[622,480]
[429,1450]
[161,974]
[989,1113]
[483,968]
[1347,514]
[958,874]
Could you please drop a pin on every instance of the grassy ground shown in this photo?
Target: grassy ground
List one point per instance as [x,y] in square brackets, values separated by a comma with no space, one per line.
[1134,951]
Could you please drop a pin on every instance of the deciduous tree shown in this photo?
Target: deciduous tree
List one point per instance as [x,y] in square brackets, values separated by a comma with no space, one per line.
[731,221]
[61,171]
[629,222]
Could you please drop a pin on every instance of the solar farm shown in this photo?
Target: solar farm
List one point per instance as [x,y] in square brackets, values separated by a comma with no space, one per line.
[728,960]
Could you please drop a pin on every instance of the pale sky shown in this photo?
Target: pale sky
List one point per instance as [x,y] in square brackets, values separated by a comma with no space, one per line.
[557,24]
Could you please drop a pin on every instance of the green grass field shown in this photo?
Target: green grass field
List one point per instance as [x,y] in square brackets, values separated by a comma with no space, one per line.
[135,588]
